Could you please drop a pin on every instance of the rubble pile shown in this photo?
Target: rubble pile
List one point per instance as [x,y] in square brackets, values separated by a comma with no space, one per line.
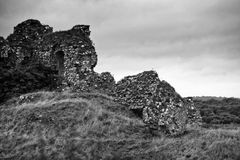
[162,108]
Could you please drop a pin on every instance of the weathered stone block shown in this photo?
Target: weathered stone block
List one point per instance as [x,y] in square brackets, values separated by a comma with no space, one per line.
[161,106]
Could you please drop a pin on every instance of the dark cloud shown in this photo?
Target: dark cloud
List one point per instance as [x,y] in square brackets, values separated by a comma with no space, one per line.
[192,44]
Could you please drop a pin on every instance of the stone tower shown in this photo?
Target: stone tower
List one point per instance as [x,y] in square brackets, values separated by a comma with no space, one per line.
[70,53]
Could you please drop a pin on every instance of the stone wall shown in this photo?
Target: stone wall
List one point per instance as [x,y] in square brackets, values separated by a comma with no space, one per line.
[24,37]
[32,42]
[162,108]
[79,54]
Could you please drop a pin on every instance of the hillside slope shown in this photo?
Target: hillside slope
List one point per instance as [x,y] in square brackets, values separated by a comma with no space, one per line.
[52,125]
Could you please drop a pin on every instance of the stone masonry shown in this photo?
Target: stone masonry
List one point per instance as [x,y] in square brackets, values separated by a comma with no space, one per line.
[71,53]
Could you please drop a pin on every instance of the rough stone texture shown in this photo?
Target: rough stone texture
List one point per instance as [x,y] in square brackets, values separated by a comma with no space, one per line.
[162,107]
[24,37]
[63,58]
[71,53]
[2,47]
[79,54]
[194,117]
[95,82]
[140,90]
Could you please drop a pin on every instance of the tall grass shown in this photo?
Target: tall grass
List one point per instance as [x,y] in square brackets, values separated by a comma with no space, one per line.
[52,125]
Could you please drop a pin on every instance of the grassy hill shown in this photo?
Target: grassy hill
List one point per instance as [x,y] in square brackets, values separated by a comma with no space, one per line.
[52,125]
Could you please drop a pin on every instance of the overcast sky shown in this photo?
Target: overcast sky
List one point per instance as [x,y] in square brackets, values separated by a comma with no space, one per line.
[192,44]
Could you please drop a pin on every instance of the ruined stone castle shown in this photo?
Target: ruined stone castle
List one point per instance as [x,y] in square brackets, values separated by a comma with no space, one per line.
[71,56]
[71,53]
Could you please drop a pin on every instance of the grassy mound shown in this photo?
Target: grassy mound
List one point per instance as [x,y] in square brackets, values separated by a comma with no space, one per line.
[51,125]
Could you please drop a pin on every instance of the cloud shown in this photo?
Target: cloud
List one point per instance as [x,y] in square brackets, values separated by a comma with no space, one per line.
[192,44]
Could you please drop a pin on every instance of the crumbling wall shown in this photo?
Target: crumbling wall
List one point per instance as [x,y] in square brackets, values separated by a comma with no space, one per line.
[95,82]
[32,42]
[24,37]
[161,106]
[80,57]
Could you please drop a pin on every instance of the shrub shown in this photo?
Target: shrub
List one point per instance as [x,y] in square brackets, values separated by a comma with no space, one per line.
[16,81]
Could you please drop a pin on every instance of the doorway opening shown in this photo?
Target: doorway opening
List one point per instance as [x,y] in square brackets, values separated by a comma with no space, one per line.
[60,62]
